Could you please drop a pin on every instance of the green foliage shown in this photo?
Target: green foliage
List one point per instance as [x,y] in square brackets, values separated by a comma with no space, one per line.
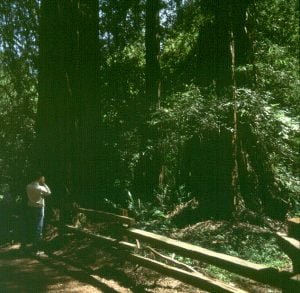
[196,112]
[277,72]
[17,105]
[121,23]
[191,112]
[246,241]
[18,82]
[278,23]
[146,213]
[277,51]
[219,274]
[274,127]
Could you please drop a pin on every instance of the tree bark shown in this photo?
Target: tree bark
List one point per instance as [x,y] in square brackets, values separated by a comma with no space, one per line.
[147,171]
[68,109]
[214,55]
[152,45]
[223,44]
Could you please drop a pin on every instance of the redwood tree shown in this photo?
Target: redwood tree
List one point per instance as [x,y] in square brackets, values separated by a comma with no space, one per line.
[152,45]
[67,125]
[222,45]
[147,171]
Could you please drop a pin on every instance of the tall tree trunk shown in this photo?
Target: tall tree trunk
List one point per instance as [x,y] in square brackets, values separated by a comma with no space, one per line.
[214,55]
[56,34]
[87,99]
[152,44]
[68,107]
[237,201]
[223,44]
[147,171]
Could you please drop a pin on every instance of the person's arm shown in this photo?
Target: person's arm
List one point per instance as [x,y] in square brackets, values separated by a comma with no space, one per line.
[44,190]
[47,188]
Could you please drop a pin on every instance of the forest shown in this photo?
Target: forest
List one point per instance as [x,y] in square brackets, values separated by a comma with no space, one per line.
[157,101]
[180,111]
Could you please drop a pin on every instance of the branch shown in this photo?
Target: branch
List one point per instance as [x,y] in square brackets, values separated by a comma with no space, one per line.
[172,260]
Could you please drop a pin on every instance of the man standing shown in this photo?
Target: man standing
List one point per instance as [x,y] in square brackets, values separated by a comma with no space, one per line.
[36,191]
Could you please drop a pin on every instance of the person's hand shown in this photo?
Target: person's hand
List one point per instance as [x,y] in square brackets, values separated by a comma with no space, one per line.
[42,181]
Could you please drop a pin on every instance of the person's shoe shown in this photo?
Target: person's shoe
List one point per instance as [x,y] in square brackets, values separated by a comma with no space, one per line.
[40,253]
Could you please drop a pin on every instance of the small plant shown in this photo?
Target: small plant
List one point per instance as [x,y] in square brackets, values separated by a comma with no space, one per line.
[219,274]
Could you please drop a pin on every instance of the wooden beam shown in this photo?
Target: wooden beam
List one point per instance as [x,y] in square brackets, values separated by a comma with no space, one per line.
[233,264]
[291,247]
[107,217]
[101,238]
[289,243]
[294,227]
[292,285]
[241,267]
[192,278]
[196,279]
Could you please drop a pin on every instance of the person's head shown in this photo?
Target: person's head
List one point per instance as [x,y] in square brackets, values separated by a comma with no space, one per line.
[39,177]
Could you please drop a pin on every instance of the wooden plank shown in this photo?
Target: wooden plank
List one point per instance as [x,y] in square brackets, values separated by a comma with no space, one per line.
[261,273]
[107,217]
[289,243]
[85,233]
[196,279]
[291,247]
[101,238]
[233,264]
[296,278]
[292,285]
[294,227]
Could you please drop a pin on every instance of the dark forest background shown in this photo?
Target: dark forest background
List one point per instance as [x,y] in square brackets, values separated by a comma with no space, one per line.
[130,103]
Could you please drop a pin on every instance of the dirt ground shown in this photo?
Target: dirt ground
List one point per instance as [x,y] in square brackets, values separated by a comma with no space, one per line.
[21,273]
[54,273]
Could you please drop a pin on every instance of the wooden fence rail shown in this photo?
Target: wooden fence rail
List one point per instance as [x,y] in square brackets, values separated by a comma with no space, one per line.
[233,264]
[196,279]
[287,281]
[107,217]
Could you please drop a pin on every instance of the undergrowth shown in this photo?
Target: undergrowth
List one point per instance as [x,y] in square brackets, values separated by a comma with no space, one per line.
[255,243]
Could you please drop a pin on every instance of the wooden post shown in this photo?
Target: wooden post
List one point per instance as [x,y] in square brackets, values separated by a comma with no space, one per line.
[294,227]
[291,247]
[124,213]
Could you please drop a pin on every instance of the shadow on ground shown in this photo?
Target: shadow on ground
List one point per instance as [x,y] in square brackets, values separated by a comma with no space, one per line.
[23,273]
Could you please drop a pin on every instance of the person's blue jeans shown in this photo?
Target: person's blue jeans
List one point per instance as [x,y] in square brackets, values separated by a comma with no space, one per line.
[36,219]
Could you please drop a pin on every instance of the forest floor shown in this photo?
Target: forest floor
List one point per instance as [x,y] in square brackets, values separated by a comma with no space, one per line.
[63,270]
[78,265]
[23,273]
